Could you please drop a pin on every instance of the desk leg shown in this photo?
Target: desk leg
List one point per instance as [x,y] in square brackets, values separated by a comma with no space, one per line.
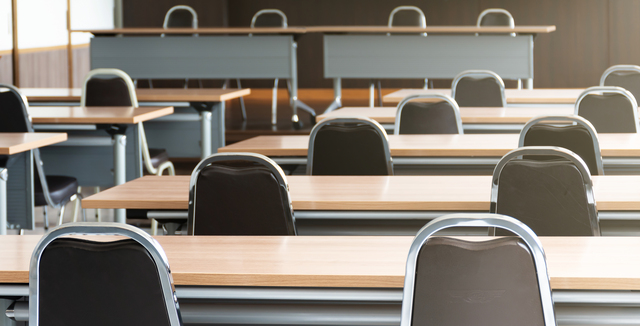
[119,169]
[205,134]
[4,174]
[337,95]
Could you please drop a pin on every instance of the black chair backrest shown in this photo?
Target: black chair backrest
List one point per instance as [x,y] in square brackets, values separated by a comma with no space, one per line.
[551,197]
[107,92]
[15,117]
[180,18]
[115,283]
[233,196]
[348,147]
[580,138]
[269,18]
[407,16]
[478,89]
[476,283]
[625,76]
[609,109]
[495,17]
[416,117]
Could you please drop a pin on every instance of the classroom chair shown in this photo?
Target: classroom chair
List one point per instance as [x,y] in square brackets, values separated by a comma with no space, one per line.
[53,191]
[400,16]
[478,88]
[349,146]
[625,76]
[497,17]
[271,18]
[239,194]
[579,136]
[552,197]
[417,117]
[500,282]
[83,282]
[609,108]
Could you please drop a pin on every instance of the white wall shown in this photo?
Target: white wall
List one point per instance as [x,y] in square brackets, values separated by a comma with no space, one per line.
[43,23]
[6,38]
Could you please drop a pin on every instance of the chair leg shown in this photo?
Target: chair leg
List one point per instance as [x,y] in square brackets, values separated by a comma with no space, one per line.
[200,83]
[46,217]
[61,216]
[426,83]
[274,103]
[379,93]
[76,206]
[98,217]
[186,83]
[371,94]
[154,227]
[244,110]
[519,83]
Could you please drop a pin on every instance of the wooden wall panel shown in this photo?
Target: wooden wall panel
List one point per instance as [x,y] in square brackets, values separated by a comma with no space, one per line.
[81,64]
[44,69]
[150,13]
[624,25]
[6,69]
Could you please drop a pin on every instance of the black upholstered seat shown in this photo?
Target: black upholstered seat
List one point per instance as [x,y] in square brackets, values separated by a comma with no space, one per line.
[551,196]
[500,282]
[608,112]
[344,147]
[88,282]
[579,138]
[115,92]
[415,117]
[478,92]
[14,118]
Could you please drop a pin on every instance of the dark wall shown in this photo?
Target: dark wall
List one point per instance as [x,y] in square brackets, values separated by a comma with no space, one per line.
[591,35]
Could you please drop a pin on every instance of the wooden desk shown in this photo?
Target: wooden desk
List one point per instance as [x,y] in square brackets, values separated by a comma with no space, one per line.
[177,132]
[368,205]
[365,52]
[18,146]
[514,96]
[218,53]
[487,120]
[82,156]
[349,280]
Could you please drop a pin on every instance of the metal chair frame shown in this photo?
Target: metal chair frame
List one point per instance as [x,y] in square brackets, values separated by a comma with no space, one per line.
[39,164]
[616,68]
[575,119]
[134,102]
[103,228]
[274,96]
[490,11]
[610,89]
[549,151]
[476,74]
[445,98]
[194,15]
[363,120]
[251,157]
[478,220]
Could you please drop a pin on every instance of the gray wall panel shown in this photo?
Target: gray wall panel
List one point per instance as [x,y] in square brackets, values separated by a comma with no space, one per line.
[434,56]
[215,57]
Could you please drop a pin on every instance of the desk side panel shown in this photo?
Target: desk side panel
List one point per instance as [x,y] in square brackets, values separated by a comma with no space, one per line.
[20,192]
[214,57]
[433,56]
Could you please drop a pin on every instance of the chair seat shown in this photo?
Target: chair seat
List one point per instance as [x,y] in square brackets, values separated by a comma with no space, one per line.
[61,188]
[158,156]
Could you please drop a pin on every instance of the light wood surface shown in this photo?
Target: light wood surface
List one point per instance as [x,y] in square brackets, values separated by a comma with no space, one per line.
[402,193]
[96,114]
[18,142]
[200,31]
[143,94]
[574,263]
[467,114]
[514,96]
[431,29]
[482,145]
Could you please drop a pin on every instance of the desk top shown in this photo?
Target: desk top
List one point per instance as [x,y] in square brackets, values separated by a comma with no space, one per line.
[575,263]
[514,96]
[144,94]
[468,115]
[18,142]
[481,145]
[400,193]
[432,29]
[199,31]
[97,114]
